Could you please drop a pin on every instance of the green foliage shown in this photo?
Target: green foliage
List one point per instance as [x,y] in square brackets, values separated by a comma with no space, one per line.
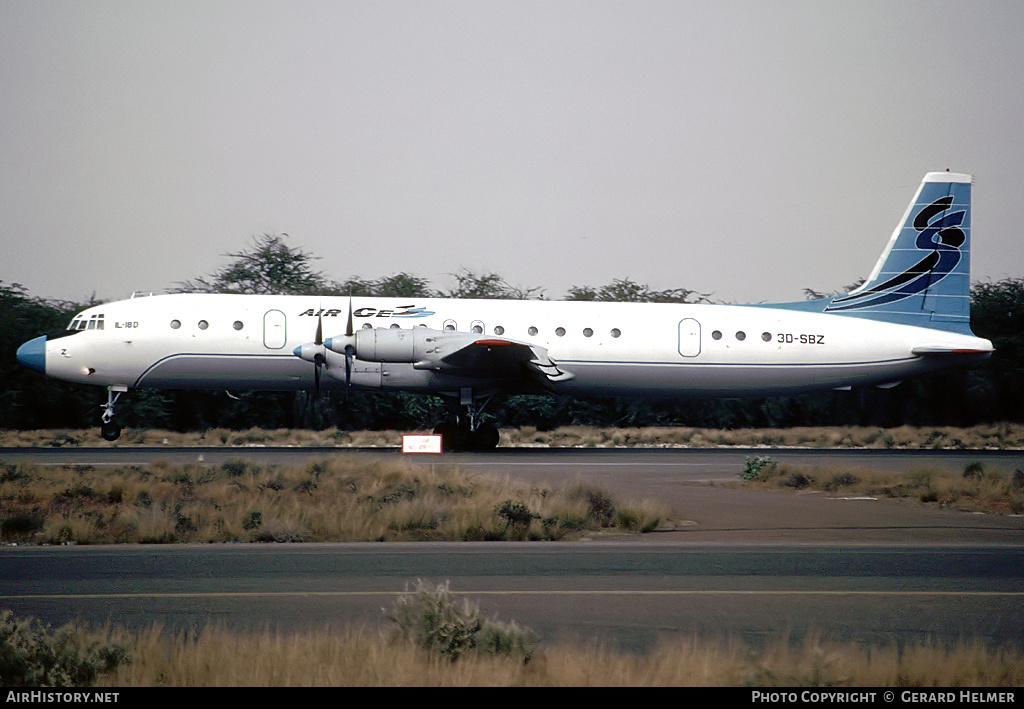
[797,481]
[974,471]
[399,285]
[237,467]
[21,525]
[997,313]
[268,267]
[517,516]
[600,508]
[758,468]
[489,286]
[31,655]
[27,399]
[627,291]
[431,617]
[841,480]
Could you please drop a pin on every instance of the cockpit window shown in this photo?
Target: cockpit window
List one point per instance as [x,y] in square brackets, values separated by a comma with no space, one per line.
[93,322]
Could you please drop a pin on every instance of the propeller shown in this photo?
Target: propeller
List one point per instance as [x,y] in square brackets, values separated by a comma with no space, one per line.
[319,359]
[346,346]
[350,348]
[314,352]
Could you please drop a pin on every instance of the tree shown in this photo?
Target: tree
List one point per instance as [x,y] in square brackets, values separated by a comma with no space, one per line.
[997,313]
[270,267]
[624,290]
[27,399]
[399,285]
[489,286]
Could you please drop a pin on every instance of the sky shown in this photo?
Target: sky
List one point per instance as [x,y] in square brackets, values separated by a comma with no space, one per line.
[746,149]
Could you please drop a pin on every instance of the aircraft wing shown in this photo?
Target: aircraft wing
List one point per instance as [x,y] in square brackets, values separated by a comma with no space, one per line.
[461,354]
[506,359]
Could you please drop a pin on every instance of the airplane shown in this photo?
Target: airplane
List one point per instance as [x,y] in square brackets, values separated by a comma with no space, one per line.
[910,317]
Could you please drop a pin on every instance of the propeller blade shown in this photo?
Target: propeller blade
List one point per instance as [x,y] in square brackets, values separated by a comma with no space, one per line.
[348,369]
[319,360]
[349,328]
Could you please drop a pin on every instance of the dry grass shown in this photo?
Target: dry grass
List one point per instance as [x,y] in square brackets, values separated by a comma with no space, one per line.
[987,436]
[974,490]
[352,499]
[362,657]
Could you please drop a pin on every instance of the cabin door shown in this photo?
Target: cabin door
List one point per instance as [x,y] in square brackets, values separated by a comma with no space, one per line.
[689,337]
[275,330]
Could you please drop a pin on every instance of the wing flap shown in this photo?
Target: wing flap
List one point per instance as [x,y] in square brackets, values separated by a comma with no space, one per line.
[505,359]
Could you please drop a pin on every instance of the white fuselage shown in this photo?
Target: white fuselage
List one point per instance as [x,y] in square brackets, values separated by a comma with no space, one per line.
[247,342]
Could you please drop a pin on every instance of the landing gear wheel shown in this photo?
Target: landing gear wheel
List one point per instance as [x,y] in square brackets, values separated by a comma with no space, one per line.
[485,437]
[453,436]
[110,431]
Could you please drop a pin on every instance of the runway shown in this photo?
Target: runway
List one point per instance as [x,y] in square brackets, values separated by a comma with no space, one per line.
[625,594]
[748,565]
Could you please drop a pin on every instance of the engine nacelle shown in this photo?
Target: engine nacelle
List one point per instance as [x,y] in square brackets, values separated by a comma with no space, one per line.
[418,346]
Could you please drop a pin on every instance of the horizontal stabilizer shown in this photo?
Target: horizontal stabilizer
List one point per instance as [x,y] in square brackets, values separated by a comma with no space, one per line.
[939,351]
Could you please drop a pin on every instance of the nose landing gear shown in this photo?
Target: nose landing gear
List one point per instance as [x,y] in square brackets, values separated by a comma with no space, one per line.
[109,430]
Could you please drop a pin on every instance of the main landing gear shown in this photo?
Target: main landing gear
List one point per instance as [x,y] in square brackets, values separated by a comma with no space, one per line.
[466,433]
[109,430]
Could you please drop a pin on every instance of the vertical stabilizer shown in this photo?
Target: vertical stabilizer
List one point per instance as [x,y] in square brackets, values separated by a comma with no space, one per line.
[923,276]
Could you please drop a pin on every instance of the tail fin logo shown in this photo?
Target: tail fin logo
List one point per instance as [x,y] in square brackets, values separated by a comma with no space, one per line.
[938,230]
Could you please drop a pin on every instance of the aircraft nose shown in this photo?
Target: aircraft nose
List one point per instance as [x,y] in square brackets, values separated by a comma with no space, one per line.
[32,354]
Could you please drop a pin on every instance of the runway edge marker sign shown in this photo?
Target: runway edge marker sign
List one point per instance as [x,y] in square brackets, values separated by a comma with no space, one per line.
[421,443]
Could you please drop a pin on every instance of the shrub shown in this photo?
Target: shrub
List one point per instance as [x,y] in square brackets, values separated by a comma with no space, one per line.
[797,481]
[33,656]
[517,516]
[20,525]
[760,468]
[235,468]
[431,618]
[600,508]
[974,471]
[842,480]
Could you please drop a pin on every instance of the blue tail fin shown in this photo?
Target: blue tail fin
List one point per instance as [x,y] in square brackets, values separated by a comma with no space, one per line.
[923,276]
